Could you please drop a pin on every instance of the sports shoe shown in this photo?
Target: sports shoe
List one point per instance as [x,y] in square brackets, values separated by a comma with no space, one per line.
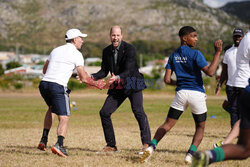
[219,144]
[59,150]
[188,158]
[147,154]
[200,159]
[42,145]
[108,149]
[144,147]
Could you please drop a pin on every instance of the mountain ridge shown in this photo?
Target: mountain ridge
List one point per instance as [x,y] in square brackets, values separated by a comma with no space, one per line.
[238,9]
[42,24]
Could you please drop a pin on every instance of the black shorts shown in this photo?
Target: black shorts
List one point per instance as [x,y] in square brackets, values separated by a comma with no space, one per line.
[245,110]
[57,96]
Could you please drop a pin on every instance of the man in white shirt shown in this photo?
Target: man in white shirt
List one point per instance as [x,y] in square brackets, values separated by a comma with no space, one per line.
[228,70]
[53,87]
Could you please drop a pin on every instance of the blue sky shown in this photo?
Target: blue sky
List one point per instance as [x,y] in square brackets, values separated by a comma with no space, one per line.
[219,3]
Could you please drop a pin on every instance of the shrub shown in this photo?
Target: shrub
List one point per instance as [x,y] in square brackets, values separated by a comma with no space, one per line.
[4,84]
[97,63]
[18,85]
[12,64]
[74,84]
[35,82]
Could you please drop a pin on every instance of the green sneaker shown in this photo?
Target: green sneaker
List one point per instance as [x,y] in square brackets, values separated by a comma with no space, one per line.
[200,159]
[219,144]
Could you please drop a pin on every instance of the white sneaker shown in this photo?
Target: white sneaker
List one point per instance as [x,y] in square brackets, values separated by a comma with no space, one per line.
[147,154]
[188,158]
[143,149]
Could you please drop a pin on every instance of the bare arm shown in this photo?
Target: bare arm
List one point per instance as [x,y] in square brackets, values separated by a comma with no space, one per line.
[86,78]
[45,66]
[223,78]
[167,77]
[210,70]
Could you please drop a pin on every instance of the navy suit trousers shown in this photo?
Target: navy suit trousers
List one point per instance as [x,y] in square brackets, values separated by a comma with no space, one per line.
[112,103]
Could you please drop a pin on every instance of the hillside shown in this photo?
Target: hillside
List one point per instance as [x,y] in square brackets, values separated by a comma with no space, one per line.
[41,24]
[239,9]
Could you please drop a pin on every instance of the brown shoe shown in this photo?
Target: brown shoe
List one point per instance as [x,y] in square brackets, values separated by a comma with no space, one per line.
[107,149]
[144,147]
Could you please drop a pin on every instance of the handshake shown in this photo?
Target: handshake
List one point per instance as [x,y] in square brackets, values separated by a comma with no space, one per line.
[101,83]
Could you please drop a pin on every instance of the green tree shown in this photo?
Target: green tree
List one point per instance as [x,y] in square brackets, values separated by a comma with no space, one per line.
[13,64]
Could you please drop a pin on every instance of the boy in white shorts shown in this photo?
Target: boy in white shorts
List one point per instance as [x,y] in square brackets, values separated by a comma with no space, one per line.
[187,64]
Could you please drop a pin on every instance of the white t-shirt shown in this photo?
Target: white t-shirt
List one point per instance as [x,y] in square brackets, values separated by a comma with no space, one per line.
[62,62]
[242,73]
[230,61]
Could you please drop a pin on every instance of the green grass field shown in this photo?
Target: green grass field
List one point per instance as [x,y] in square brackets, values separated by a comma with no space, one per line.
[21,122]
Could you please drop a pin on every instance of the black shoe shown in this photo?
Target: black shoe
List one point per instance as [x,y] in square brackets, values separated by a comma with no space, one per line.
[42,145]
[59,150]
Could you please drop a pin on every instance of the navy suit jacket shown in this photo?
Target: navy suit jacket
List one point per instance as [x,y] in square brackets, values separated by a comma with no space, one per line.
[131,80]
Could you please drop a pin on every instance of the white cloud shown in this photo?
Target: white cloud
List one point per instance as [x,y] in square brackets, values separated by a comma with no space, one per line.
[219,3]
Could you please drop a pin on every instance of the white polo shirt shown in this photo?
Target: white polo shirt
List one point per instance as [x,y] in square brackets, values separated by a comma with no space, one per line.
[242,73]
[230,60]
[62,62]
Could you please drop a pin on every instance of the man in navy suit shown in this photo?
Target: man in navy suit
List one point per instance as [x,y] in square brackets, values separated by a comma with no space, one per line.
[119,59]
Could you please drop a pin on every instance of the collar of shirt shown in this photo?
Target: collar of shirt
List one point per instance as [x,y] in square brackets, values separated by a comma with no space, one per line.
[71,45]
[118,47]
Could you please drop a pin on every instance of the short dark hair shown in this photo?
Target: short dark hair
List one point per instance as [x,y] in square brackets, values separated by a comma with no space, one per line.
[186,30]
[69,40]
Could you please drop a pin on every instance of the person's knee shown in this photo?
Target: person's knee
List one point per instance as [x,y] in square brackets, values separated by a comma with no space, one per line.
[63,118]
[104,113]
[200,126]
[200,120]
[139,113]
[168,124]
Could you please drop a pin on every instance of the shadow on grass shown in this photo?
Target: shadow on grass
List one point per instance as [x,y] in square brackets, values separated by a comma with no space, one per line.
[209,135]
[32,150]
[157,150]
[81,149]
[134,157]
[29,150]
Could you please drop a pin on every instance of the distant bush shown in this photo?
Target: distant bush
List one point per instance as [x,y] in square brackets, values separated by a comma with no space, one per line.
[18,85]
[97,63]
[14,78]
[35,82]
[40,63]
[4,84]
[13,64]
[74,84]
[206,81]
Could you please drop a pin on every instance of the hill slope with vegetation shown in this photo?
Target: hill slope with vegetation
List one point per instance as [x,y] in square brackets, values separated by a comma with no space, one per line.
[39,25]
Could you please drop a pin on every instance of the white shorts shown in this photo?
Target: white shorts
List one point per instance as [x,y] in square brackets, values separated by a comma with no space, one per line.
[194,99]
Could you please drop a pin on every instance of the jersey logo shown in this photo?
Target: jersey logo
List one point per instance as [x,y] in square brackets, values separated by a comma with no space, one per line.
[179,59]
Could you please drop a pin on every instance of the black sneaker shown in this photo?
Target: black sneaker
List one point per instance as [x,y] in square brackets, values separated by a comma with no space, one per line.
[59,150]
[42,145]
